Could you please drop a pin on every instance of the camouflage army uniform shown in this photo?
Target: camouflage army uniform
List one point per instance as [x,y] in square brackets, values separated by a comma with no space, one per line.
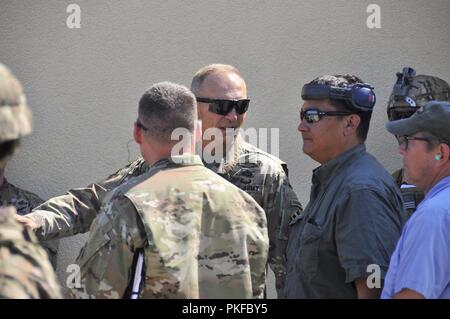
[411,194]
[202,237]
[260,174]
[25,272]
[24,202]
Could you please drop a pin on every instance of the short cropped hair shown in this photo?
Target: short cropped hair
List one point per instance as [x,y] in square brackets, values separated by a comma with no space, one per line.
[205,71]
[346,80]
[165,107]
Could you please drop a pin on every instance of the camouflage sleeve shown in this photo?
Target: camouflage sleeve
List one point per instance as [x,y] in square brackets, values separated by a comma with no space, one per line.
[280,208]
[258,244]
[34,200]
[74,212]
[25,272]
[50,246]
[107,258]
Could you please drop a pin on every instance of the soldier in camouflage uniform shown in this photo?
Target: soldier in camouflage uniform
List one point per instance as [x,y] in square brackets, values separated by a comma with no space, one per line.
[24,268]
[260,174]
[24,201]
[198,235]
[411,92]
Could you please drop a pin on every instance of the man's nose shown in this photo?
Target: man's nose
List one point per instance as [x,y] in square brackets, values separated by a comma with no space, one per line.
[401,150]
[232,115]
[302,126]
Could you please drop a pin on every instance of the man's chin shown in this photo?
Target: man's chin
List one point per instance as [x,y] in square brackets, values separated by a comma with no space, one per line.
[229,130]
[229,133]
[307,147]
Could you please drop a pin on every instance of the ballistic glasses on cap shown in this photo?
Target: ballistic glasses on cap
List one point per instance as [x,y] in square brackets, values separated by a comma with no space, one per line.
[397,113]
[359,97]
[314,115]
[223,107]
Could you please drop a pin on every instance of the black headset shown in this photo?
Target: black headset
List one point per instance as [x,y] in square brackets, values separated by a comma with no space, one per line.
[359,97]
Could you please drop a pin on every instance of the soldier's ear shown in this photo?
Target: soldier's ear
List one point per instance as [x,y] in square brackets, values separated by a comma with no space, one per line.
[137,134]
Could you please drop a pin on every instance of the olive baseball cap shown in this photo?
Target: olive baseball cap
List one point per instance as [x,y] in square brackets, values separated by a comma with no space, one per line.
[433,117]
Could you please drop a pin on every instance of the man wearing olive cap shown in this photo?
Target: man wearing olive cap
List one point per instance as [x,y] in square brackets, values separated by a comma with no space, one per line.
[419,267]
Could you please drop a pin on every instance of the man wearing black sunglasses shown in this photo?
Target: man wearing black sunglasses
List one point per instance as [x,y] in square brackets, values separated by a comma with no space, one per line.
[222,105]
[411,92]
[355,215]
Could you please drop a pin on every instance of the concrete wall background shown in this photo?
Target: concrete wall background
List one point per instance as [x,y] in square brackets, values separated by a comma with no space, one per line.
[83,84]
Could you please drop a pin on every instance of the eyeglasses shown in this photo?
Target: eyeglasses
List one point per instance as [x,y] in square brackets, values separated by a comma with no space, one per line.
[398,113]
[313,115]
[403,141]
[223,107]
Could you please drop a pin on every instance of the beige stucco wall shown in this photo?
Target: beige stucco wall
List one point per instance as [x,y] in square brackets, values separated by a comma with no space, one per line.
[83,84]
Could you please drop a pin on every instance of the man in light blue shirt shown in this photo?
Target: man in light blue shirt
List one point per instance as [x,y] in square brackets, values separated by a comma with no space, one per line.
[420,265]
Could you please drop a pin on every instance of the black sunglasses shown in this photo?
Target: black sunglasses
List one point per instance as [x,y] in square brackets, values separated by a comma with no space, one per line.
[223,107]
[314,115]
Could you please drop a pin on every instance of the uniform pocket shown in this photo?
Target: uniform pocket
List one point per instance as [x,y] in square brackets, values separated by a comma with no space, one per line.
[309,248]
[93,260]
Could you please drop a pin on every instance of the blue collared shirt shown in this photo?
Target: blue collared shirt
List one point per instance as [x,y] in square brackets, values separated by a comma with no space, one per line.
[421,260]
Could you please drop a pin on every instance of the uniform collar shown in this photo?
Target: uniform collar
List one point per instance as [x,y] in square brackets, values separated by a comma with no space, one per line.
[228,162]
[178,161]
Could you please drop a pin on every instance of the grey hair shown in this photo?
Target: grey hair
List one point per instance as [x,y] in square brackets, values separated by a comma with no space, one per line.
[165,107]
[205,71]
[434,141]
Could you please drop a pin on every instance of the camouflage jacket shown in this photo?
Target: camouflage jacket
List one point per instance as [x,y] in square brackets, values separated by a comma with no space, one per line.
[411,194]
[201,237]
[260,174]
[25,272]
[24,201]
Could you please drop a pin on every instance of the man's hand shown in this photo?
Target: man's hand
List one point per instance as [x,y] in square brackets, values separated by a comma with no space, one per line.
[25,221]
[408,294]
[365,292]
